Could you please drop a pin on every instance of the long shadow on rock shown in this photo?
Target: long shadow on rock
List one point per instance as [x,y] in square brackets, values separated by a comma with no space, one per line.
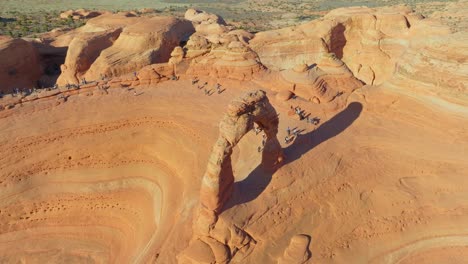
[257,181]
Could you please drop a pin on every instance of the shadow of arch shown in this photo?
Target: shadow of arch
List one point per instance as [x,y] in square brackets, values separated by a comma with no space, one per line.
[257,181]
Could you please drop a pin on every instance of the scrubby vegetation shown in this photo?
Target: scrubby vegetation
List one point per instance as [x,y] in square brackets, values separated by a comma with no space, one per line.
[20,18]
[18,25]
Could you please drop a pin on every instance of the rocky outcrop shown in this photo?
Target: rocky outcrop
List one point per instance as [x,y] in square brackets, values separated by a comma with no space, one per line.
[19,64]
[206,23]
[368,40]
[220,53]
[222,239]
[177,55]
[232,60]
[297,252]
[149,41]
[114,45]
[319,83]
[83,51]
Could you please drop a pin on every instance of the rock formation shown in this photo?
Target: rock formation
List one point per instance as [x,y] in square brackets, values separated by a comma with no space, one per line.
[19,64]
[220,53]
[84,49]
[368,40]
[149,41]
[177,55]
[232,60]
[217,183]
[113,45]
[206,23]
[251,108]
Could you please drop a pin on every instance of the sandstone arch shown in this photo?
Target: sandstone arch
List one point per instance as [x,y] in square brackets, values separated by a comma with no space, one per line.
[217,183]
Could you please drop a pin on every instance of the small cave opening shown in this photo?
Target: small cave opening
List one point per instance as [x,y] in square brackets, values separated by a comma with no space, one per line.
[50,69]
[338,40]
[182,43]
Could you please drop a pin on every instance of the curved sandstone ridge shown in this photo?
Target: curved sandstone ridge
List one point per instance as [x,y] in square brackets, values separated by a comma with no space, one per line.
[217,183]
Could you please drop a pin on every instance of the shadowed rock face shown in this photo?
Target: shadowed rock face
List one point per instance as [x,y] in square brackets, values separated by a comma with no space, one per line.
[218,180]
[19,64]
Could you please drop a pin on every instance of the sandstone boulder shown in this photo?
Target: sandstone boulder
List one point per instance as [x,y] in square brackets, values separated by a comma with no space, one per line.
[148,41]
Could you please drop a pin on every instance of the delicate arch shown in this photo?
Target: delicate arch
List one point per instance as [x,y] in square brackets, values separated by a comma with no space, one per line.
[217,183]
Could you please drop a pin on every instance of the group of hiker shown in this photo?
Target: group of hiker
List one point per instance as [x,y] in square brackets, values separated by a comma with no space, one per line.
[291,134]
[302,116]
[257,130]
[205,90]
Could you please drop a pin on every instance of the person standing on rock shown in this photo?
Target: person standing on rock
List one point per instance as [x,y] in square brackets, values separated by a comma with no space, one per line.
[295,131]
[257,130]
[288,130]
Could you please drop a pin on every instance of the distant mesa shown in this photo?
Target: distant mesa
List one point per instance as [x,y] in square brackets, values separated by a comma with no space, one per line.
[82,14]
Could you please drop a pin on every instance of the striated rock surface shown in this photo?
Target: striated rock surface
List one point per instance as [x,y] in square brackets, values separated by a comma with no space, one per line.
[434,67]
[368,40]
[319,83]
[19,64]
[232,60]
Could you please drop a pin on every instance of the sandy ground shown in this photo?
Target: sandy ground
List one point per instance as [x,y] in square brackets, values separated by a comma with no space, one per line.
[114,178]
